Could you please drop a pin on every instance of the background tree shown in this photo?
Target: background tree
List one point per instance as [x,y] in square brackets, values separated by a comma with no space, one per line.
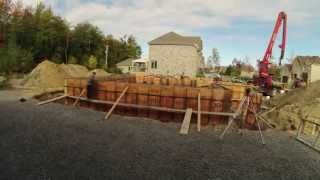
[30,35]
[214,59]
[122,49]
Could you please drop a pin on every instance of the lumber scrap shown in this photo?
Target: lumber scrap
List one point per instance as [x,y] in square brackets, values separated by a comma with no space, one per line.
[51,100]
[77,100]
[152,107]
[186,122]
[116,103]
[199,113]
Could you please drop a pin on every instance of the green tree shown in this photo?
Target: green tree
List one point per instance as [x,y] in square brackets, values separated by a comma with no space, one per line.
[122,49]
[86,40]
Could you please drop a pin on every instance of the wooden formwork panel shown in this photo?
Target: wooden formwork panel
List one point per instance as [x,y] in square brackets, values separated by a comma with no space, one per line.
[167,101]
[181,96]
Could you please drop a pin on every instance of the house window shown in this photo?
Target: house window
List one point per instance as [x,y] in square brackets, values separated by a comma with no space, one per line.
[154,64]
[285,79]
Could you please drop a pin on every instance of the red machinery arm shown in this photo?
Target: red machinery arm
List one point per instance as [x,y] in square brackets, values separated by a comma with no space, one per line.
[265,78]
[282,19]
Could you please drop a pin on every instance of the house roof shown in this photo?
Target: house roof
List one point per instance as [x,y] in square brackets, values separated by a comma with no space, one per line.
[247,68]
[126,62]
[140,60]
[307,60]
[287,66]
[173,38]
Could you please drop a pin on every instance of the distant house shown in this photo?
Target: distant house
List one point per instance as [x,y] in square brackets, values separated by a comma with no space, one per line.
[220,69]
[173,54]
[247,71]
[140,65]
[125,66]
[133,65]
[306,68]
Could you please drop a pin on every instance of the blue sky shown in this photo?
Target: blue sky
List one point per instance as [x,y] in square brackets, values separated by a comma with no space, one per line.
[238,28]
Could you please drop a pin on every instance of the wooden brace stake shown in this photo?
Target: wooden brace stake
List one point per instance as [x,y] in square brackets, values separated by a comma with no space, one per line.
[77,100]
[116,103]
[51,100]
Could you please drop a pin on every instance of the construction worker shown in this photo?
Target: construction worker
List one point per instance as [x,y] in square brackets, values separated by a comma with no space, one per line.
[90,85]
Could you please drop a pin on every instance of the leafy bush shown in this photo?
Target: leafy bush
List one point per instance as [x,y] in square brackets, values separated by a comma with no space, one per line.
[92,62]
[72,60]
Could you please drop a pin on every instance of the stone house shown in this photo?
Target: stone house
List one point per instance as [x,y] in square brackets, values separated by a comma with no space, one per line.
[173,54]
[306,68]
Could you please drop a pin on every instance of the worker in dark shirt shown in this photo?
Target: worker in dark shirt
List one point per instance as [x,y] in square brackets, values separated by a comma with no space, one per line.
[90,85]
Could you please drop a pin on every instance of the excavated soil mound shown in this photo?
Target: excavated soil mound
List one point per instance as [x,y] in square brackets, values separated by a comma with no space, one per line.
[294,105]
[100,73]
[48,75]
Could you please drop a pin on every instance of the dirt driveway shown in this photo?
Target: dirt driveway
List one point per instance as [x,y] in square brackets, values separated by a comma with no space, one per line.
[58,142]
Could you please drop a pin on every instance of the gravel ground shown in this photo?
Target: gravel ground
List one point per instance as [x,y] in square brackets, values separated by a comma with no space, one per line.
[58,142]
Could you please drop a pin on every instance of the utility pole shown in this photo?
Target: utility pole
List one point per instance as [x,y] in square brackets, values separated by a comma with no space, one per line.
[107,50]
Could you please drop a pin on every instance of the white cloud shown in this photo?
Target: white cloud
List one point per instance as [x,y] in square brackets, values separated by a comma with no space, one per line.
[147,19]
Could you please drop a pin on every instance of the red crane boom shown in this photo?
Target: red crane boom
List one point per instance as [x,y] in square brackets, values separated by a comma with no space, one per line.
[265,79]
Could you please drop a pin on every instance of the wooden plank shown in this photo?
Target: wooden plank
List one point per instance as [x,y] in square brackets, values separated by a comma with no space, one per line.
[116,103]
[186,122]
[316,139]
[77,100]
[300,128]
[51,100]
[311,122]
[199,113]
[152,107]
[308,144]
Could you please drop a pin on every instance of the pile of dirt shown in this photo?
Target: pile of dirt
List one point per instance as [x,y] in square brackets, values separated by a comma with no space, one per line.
[100,73]
[294,105]
[74,70]
[48,76]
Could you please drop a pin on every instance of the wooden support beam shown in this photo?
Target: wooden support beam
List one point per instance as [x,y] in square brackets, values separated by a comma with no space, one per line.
[267,112]
[260,132]
[261,118]
[51,100]
[152,107]
[231,118]
[77,100]
[116,103]
[186,122]
[199,113]
[230,121]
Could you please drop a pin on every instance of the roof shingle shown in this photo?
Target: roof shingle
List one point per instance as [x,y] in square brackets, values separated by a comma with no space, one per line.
[173,38]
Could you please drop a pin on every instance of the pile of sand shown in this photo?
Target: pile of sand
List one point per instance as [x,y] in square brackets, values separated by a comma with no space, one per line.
[294,105]
[48,75]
